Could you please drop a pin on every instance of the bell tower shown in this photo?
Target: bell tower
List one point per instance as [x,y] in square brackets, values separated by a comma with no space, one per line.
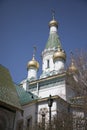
[53,57]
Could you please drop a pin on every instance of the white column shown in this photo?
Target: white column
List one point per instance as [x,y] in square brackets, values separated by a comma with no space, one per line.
[32,73]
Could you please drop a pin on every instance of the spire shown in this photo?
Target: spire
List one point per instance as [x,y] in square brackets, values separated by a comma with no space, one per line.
[53,39]
[53,62]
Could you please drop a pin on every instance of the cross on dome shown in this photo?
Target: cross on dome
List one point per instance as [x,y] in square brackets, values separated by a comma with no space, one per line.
[53,14]
[34,51]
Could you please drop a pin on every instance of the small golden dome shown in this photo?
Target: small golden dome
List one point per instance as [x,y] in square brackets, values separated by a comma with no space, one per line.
[72,68]
[33,63]
[53,23]
[59,54]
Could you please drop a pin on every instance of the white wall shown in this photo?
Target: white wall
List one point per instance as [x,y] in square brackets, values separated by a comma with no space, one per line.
[59,90]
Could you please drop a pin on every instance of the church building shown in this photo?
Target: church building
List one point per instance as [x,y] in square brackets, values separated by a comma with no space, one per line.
[29,102]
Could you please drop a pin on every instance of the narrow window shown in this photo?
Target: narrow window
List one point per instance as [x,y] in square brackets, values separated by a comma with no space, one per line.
[48,64]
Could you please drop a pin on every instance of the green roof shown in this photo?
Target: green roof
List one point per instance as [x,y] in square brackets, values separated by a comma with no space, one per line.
[8,93]
[53,41]
[24,96]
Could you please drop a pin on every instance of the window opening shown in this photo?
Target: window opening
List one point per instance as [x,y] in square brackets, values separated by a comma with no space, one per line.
[48,64]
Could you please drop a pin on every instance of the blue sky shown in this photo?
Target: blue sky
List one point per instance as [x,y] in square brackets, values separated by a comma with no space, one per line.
[24,23]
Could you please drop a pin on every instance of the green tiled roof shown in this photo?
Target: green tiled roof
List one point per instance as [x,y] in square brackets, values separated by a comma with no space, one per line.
[53,41]
[24,96]
[8,93]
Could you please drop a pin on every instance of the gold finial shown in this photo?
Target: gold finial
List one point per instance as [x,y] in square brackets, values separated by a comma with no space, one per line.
[53,14]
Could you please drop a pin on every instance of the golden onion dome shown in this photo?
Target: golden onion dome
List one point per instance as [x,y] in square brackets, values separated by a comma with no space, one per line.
[59,54]
[53,23]
[72,68]
[33,63]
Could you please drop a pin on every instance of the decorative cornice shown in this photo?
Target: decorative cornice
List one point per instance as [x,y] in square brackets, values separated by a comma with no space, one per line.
[48,78]
[47,82]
